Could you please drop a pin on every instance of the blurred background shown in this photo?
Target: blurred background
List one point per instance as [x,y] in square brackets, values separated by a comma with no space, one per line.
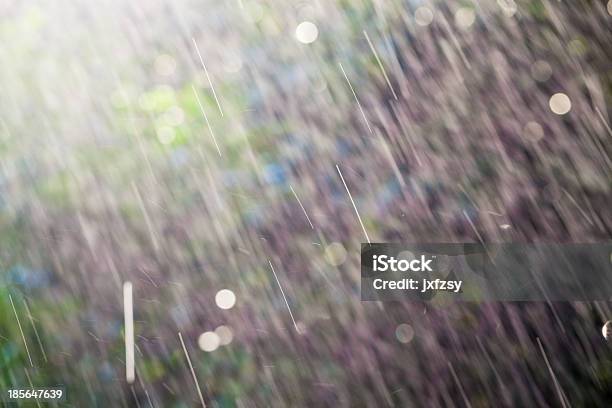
[229,157]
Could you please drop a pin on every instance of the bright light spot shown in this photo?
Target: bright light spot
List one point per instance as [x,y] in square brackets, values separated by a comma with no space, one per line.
[208,341]
[505,226]
[465,17]
[225,335]
[335,253]
[508,7]
[560,103]
[306,32]
[610,7]
[423,16]
[606,330]
[533,131]
[541,71]
[404,333]
[225,299]
[165,134]
[165,65]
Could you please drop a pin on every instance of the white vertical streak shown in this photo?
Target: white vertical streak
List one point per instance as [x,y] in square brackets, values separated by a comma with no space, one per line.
[354,206]
[195,379]
[300,203]
[465,399]
[128,314]
[25,343]
[207,77]
[35,331]
[31,385]
[355,96]
[206,119]
[284,297]
[382,68]
[552,374]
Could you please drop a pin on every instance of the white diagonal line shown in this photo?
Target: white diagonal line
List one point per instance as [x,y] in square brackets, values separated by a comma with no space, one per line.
[552,374]
[21,331]
[207,77]
[284,297]
[35,331]
[212,134]
[382,68]
[195,379]
[356,99]
[300,203]
[354,206]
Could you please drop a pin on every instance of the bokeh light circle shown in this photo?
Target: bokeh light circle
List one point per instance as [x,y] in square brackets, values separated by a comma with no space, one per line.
[606,330]
[423,16]
[225,299]
[166,134]
[208,341]
[306,32]
[541,71]
[225,334]
[533,131]
[560,103]
[465,17]
[404,333]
